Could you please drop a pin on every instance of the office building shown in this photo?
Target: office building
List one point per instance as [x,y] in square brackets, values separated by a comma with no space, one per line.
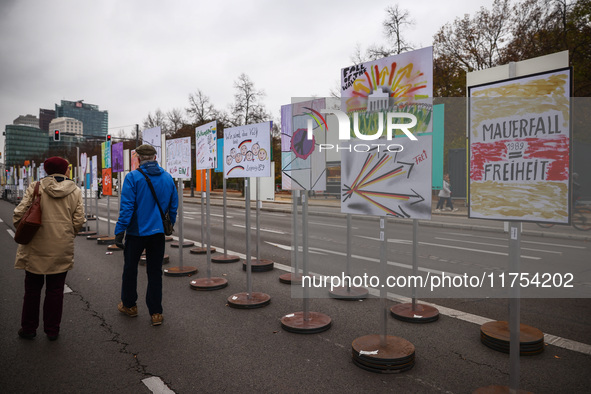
[95,122]
[24,143]
[45,117]
[66,126]
[27,120]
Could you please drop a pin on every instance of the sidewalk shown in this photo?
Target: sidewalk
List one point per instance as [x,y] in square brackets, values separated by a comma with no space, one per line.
[321,205]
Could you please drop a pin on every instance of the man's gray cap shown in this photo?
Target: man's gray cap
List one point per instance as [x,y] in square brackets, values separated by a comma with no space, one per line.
[145,150]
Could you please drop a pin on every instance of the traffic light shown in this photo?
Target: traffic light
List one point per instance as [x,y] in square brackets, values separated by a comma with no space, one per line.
[56,135]
[108,137]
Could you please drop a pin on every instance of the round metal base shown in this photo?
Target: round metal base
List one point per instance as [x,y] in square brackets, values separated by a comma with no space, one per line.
[167,238]
[261,265]
[90,217]
[186,244]
[208,284]
[316,322]
[180,271]
[243,301]
[497,389]
[165,259]
[113,247]
[421,314]
[105,240]
[225,258]
[86,233]
[496,336]
[290,278]
[349,293]
[393,356]
[95,237]
[200,250]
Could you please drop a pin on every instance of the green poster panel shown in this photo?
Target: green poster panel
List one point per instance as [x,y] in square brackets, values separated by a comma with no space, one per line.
[438,134]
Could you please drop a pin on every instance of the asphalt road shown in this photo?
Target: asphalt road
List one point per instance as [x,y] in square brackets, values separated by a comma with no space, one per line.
[205,346]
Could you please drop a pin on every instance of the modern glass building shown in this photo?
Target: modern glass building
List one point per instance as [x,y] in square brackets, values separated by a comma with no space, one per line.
[24,143]
[96,122]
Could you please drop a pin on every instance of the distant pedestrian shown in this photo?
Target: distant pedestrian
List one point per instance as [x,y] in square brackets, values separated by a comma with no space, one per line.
[140,217]
[445,196]
[50,254]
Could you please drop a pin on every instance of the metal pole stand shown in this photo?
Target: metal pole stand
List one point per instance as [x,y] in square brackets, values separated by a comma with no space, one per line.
[305,322]
[349,293]
[87,232]
[412,312]
[203,249]
[180,270]
[225,258]
[208,283]
[293,277]
[258,264]
[383,353]
[249,299]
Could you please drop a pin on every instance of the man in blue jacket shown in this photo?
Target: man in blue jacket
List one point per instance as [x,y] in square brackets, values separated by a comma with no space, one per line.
[140,217]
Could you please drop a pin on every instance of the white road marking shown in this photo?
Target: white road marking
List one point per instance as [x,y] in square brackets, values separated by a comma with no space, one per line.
[1,221]
[67,289]
[522,241]
[288,247]
[332,225]
[10,232]
[188,217]
[499,246]
[156,385]
[452,247]
[262,229]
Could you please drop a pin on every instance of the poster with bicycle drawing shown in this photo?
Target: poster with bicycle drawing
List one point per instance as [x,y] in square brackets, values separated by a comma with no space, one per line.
[519,137]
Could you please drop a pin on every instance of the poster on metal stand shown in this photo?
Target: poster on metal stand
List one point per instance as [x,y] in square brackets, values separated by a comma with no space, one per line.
[203,178]
[95,193]
[85,171]
[206,158]
[178,165]
[303,168]
[117,166]
[107,187]
[520,156]
[240,143]
[225,257]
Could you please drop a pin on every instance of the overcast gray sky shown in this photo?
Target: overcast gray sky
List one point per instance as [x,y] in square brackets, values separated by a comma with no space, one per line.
[131,57]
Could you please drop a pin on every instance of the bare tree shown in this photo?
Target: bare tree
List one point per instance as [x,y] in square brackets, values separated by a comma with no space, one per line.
[158,119]
[247,107]
[397,18]
[175,120]
[200,109]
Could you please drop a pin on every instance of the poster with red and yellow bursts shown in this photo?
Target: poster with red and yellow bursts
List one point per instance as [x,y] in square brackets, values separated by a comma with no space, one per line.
[519,137]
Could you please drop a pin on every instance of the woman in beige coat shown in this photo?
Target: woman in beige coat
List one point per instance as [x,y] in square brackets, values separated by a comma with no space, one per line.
[50,254]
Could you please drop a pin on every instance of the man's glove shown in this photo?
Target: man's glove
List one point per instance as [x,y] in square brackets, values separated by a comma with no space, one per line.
[119,240]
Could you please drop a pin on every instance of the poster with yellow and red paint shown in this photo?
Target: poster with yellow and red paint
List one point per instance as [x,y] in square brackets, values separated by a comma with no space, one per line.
[519,133]
[399,83]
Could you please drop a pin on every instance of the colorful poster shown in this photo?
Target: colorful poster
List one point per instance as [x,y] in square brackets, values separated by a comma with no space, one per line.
[107,182]
[135,160]
[247,151]
[83,163]
[153,137]
[385,182]
[106,154]
[400,83]
[94,172]
[303,164]
[178,157]
[520,148]
[117,157]
[219,165]
[205,146]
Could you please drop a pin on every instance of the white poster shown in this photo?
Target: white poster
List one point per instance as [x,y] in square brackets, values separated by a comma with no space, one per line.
[178,157]
[388,183]
[94,171]
[266,187]
[152,137]
[247,151]
[205,146]
[83,157]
